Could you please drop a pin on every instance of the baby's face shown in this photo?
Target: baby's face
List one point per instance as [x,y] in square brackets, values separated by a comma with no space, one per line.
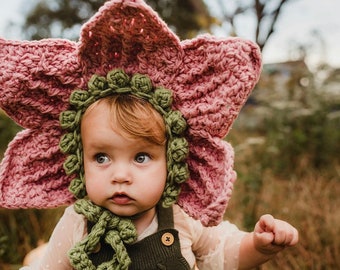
[126,176]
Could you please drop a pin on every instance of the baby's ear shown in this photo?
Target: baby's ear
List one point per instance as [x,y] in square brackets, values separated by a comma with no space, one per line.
[36,79]
[216,78]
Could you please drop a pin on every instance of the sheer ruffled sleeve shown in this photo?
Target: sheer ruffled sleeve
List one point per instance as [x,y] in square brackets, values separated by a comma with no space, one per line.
[70,229]
[215,247]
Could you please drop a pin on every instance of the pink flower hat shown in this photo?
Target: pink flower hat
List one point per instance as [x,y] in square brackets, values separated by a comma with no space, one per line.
[210,79]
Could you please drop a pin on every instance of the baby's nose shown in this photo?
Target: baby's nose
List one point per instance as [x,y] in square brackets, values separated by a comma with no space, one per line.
[121,174]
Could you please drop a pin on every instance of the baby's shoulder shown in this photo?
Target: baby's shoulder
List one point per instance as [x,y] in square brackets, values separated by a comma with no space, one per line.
[183,221]
[71,216]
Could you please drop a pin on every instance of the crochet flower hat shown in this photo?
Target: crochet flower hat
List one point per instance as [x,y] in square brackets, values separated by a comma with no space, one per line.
[210,79]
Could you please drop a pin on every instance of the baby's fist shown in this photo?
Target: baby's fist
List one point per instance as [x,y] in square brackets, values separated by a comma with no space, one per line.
[272,235]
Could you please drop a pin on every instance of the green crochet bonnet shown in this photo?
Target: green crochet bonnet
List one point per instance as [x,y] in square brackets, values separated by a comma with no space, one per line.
[115,230]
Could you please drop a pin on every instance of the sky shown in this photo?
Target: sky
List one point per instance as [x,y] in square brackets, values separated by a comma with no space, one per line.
[297,22]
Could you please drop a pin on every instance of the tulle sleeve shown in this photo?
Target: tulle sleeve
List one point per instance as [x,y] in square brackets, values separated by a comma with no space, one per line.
[70,229]
[210,248]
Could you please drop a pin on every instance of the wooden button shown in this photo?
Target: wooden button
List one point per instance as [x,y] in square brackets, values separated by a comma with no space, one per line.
[168,239]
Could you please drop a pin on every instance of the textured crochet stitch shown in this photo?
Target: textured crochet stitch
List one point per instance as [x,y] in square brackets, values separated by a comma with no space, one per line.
[210,79]
[117,82]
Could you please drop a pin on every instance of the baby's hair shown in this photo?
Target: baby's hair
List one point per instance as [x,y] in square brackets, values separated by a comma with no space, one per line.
[134,117]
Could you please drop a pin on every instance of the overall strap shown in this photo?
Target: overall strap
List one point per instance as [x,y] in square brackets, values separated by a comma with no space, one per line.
[160,250]
[165,217]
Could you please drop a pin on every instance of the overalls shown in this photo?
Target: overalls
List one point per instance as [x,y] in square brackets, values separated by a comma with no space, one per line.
[160,250]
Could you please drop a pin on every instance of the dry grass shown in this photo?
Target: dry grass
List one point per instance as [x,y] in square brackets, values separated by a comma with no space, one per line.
[309,201]
[310,204]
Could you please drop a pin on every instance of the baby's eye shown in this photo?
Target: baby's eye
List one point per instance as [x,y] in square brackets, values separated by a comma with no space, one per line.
[142,158]
[101,158]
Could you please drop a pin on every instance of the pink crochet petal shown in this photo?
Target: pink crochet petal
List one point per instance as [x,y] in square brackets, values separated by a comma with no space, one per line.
[31,174]
[129,35]
[206,194]
[215,82]
[36,79]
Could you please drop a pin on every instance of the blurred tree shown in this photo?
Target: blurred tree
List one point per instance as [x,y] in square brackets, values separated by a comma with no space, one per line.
[60,18]
[263,13]
[63,18]
[186,17]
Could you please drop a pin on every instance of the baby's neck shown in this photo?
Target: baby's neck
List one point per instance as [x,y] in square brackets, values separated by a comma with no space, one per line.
[143,220]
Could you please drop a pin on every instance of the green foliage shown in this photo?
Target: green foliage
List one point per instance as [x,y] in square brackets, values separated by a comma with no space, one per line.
[287,159]
[288,166]
[7,131]
[302,139]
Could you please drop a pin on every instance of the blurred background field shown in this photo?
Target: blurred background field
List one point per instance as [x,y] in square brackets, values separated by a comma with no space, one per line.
[286,141]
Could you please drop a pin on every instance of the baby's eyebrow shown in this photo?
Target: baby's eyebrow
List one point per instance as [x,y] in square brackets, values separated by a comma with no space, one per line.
[98,147]
[145,144]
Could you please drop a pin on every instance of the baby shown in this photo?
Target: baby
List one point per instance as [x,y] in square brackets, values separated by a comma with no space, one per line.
[139,144]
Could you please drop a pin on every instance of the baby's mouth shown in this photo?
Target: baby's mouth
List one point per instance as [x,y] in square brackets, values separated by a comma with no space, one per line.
[121,199]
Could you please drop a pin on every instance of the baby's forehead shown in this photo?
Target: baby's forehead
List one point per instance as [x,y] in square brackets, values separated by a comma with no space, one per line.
[99,105]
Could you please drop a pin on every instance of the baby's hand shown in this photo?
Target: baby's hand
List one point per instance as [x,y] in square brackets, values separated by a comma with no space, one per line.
[272,235]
